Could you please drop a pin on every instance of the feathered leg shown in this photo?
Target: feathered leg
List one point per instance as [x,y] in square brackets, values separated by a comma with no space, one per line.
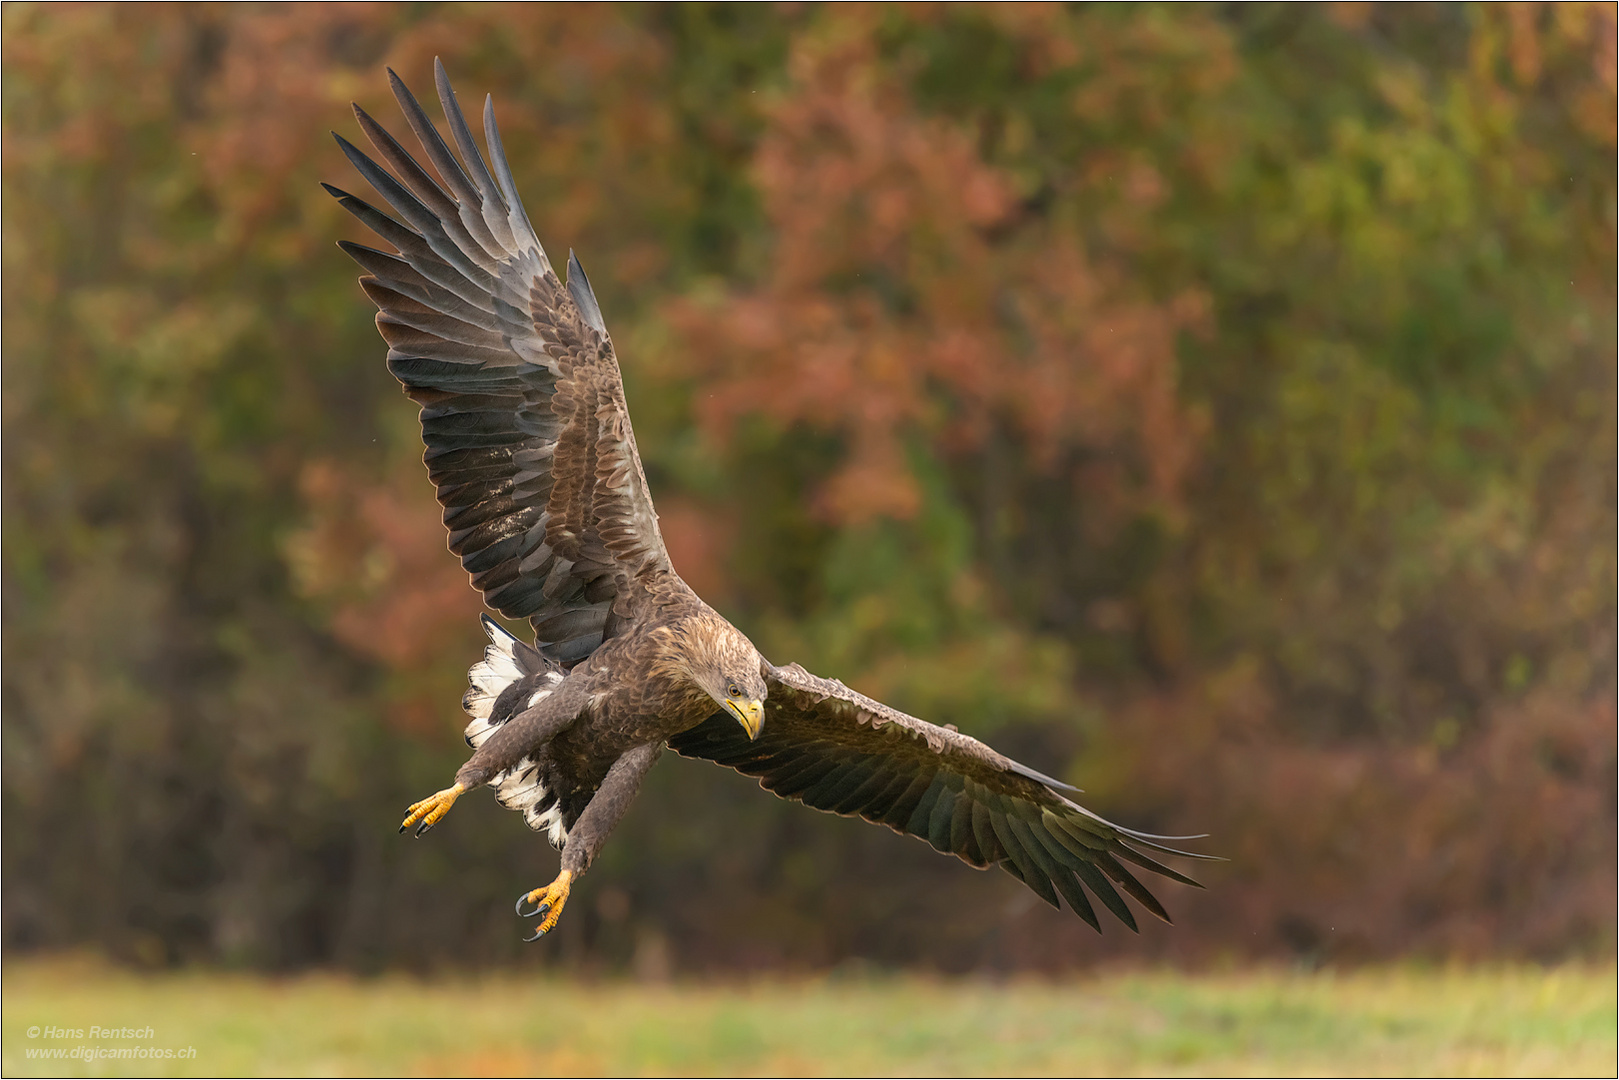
[589,833]
[508,744]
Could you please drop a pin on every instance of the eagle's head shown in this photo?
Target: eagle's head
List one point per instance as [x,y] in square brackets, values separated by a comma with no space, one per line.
[727,667]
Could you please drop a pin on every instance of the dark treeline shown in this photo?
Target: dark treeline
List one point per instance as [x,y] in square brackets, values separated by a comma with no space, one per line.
[1211,405]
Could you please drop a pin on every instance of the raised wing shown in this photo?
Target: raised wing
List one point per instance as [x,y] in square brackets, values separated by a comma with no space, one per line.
[839,751]
[528,437]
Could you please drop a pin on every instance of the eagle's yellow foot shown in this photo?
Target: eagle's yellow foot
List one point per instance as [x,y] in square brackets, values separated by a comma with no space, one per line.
[547,901]
[431,809]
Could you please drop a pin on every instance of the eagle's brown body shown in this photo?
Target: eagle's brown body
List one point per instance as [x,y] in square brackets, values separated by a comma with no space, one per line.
[632,692]
[530,446]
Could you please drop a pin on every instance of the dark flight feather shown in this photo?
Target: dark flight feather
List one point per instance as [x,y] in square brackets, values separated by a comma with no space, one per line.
[549,511]
[838,750]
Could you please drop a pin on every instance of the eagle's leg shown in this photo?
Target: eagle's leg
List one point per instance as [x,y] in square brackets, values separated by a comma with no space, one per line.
[589,833]
[503,749]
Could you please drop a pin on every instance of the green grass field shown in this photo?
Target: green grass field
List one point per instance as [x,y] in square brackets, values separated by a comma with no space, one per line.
[1492,1021]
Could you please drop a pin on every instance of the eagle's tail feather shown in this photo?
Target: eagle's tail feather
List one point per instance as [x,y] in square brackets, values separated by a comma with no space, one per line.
[506,660]
[521,788]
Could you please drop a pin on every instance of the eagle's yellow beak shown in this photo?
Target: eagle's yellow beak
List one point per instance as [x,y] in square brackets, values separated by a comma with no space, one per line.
[751,715]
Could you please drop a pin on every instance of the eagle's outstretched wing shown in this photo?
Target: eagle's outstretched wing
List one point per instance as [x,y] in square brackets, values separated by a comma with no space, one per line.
[840,751]
[528,437]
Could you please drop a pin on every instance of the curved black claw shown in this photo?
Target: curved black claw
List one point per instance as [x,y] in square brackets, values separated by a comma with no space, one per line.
[539,909]
[535,936]
[423,827]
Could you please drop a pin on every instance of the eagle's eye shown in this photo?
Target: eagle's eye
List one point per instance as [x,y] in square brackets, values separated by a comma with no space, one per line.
[733,691]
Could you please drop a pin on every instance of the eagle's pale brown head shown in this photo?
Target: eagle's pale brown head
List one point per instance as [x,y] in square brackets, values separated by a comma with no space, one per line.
[724,664]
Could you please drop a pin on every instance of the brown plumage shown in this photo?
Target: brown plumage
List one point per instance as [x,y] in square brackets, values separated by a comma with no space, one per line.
[530,446]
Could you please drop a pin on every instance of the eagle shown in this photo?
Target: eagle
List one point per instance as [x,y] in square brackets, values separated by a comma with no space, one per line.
[529,444]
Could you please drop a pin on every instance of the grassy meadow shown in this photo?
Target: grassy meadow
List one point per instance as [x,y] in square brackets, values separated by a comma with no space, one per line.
[1440,1021]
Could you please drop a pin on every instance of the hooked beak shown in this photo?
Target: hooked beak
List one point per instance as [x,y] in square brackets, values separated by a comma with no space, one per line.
[751,715]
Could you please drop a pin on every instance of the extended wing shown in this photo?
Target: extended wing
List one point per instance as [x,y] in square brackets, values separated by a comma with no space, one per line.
[840,751]
[528,437]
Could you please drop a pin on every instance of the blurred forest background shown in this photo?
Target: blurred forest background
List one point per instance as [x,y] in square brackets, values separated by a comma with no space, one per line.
[1214,406]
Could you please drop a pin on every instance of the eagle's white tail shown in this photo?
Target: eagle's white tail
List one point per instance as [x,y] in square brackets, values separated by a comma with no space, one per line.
[506,660]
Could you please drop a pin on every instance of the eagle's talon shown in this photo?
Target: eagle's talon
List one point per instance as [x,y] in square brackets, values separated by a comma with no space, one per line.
[430,810]
[548,901]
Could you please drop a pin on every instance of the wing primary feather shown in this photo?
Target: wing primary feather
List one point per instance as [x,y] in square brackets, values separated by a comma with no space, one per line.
[1135,834]
[1067,849]
[416,213]
[462,134]
[407,304]
[393,272]
[1060,848]
[423,186]
[375,220]
[406,316]
[491,202]
[438,152]
[1028,870]
[1128,882]
[433,144]
[1134,839]
[1048,866]
[428,225]
[449,218]
[418,252]
[503,175]
[1129,854]
[1105,892]
[1077,900]
[1056,862]
[1081,841]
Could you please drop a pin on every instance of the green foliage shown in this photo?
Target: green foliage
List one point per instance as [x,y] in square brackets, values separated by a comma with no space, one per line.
[1489,1021]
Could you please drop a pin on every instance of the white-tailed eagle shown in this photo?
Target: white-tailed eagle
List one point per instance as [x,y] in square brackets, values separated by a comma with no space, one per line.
[530,447]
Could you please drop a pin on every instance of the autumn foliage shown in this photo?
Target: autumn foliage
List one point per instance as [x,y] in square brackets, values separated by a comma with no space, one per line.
[1214,407]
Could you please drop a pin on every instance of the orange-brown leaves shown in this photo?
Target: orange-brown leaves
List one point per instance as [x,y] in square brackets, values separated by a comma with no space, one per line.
[912,297]
[375,558]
